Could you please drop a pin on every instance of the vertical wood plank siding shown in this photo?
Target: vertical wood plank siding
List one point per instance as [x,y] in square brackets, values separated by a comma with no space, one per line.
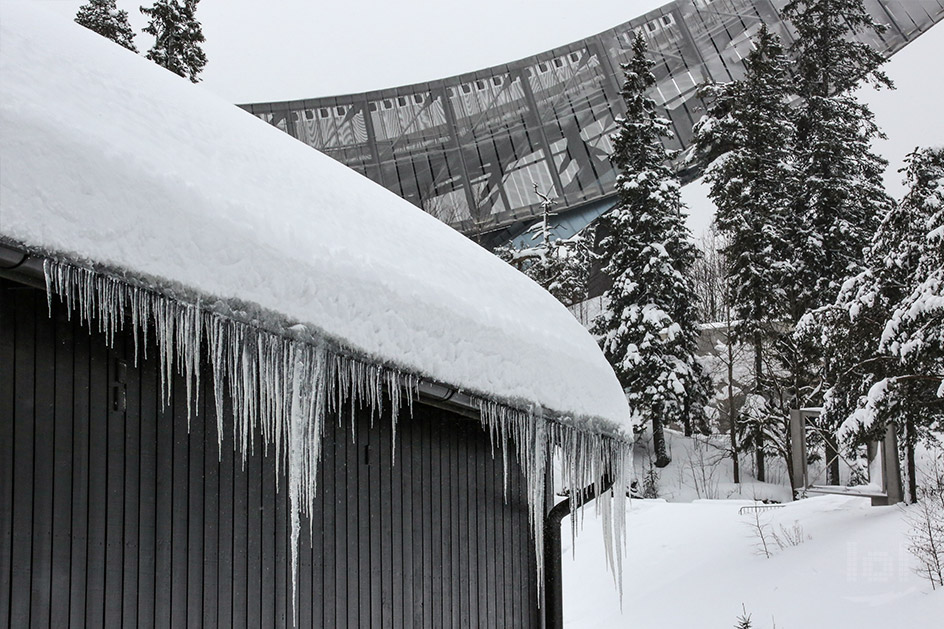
[114,512]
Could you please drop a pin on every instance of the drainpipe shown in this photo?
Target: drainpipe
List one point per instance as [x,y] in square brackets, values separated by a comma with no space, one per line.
[553,570]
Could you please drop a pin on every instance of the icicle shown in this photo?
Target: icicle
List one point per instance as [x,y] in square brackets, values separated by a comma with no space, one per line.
[285,389]
[47,277]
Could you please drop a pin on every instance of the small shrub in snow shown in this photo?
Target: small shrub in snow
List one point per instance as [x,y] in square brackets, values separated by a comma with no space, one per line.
[786,537]
[767,538]
[704,461]
[926,531]
[650,482]
[744,620]
[760,530]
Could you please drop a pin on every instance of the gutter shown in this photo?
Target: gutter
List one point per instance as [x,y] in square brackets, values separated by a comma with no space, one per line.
[19,266]
[447,398]
[553,570]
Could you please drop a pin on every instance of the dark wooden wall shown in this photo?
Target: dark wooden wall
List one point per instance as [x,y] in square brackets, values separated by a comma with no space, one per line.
[113,514]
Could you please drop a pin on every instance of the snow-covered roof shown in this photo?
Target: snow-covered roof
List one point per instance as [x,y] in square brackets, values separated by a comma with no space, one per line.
[110,161]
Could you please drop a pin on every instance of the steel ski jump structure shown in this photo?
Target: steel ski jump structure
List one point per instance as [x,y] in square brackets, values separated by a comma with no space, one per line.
[468,148]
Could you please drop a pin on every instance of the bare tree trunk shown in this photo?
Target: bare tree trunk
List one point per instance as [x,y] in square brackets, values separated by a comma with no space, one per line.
[910,458]
[732,416]
[758,389]
[658,443]
[832,455]
[759,453]
[759,441]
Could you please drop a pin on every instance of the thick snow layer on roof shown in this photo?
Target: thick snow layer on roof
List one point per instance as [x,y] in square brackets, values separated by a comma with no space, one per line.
[108,159]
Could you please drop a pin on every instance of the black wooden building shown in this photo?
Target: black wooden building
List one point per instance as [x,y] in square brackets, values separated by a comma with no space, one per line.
[114,512]
[243,386]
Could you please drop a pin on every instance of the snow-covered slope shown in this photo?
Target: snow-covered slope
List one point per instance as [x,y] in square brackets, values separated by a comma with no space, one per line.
[112,161]
[693,562]
[694,565]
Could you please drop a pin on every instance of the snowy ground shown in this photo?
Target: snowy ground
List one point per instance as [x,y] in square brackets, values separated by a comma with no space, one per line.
[701,469]
[694,563]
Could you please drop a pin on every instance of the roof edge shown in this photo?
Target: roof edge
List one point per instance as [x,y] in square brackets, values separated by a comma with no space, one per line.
[60,275]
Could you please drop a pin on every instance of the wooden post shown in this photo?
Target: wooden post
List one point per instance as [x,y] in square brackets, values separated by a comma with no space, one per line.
[891,469]
[798,449]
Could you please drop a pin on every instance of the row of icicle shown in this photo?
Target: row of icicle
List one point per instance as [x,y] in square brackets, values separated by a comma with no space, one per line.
[286,383]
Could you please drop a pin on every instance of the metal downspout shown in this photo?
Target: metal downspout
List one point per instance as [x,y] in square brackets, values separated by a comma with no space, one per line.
[553,569]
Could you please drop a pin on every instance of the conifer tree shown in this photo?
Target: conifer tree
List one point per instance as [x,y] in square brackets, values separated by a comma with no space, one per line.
[748,135]
[177,35]
[647,329]
[841,195]
[752,181]
[104,17]
[883,337]
[561,266]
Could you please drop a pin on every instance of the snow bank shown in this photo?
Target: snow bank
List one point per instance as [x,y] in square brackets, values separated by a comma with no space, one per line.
[110,161]
[696,564]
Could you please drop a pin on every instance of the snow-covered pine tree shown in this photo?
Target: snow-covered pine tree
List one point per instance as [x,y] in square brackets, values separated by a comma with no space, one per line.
[752,181]
[914,333]
[177,37]
[748,133]
[883,337]
[573,255]
[647,329]
[104,17]
[561,266]
[841,195]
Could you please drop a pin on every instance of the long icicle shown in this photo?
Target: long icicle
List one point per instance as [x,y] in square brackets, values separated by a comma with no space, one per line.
[285,384]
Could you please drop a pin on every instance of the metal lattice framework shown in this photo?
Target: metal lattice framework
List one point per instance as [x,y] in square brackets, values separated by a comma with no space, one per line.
[468,149]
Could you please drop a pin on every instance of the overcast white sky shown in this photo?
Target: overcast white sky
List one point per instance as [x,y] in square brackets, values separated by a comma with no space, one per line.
[287,49]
